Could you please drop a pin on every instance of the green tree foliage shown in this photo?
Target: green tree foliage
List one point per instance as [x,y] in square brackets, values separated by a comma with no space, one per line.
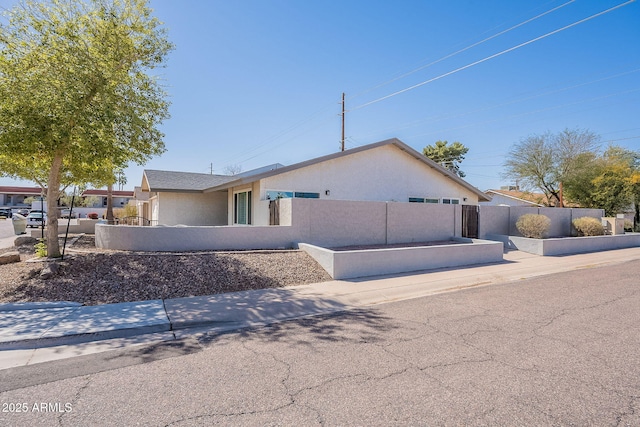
[544,161]
[608,181]
[77,101]
[449,156]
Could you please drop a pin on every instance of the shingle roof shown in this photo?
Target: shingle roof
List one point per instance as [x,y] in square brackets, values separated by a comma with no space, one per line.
[157,180]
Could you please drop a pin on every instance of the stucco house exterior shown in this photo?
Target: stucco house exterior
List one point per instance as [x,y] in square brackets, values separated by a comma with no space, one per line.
[13,197]
[388,170]
[118,198]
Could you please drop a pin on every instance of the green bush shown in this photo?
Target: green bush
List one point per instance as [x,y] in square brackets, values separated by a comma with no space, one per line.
[41,248]
[534,226]
[588,226]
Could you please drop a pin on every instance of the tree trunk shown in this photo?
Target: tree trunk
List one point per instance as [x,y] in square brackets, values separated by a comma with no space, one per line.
[53,191]
[110,204]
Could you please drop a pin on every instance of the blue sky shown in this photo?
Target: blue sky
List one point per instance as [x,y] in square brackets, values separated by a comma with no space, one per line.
[254,82]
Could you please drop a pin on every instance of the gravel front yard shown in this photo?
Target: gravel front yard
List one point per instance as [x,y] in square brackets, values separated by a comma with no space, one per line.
[92,276]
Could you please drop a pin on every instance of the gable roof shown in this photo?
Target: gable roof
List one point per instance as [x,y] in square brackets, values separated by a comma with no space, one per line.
[536,199]
[156,180]
[235,181]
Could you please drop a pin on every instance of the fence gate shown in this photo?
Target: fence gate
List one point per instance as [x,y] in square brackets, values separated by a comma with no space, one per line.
[274,212]
[470,221]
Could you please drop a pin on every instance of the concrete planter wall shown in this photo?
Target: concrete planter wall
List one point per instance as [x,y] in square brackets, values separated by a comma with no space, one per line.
[372,262]
[568,245]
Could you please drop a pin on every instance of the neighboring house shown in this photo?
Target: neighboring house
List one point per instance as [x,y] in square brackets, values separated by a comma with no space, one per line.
[13,197]
[515,198]
[385,171]
[119,198]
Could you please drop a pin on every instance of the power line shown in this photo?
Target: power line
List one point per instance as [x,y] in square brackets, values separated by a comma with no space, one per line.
[462,50]
[434,119]
[493,56]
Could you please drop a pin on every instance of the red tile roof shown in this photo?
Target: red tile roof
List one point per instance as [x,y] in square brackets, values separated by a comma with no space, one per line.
[104,193]
[21,190]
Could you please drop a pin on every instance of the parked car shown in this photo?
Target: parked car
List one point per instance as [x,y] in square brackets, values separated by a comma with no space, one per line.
[23,212]
[66,213]
[6,213]
[36,219]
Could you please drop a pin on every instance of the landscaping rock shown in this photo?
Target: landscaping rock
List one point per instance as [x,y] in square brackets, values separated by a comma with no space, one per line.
[49,271]
[24,241]
[9,257]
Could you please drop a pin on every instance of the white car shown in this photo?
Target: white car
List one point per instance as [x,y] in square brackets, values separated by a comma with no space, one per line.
[36,219]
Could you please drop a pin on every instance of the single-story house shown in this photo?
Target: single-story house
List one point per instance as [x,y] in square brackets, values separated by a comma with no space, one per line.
[13,197]
[118,198]
[389,170]
[515,197]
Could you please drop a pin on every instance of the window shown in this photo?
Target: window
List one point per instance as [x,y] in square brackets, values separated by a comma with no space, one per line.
[274,194]
[242,208]
[451,201]
[303,195]
[423,200]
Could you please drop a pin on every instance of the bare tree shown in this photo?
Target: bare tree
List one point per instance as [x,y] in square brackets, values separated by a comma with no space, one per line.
[543,162]
[232,169]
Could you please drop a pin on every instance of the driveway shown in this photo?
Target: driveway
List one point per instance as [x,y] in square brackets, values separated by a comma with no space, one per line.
[562,349]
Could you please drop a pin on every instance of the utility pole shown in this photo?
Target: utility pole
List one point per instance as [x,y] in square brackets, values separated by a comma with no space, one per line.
[211,169]
[342,140]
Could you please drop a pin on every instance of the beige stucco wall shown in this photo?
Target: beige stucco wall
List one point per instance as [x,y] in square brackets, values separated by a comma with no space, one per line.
[191,208]
[381,174]
[256,219]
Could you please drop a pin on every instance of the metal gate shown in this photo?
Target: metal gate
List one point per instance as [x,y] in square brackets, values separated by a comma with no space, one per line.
[470,221]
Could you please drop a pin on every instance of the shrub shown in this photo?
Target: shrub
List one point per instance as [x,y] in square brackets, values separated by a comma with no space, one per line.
[533,226]
[93,215]
[41,248]
[130,210]
[588,226]
[628,225]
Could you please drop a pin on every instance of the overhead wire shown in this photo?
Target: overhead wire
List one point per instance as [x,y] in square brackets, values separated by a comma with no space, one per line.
[433,119]
[461,50]
[495,55]
[284,132]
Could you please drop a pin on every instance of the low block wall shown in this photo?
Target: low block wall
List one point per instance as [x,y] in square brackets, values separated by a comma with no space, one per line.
[568,245]
[373,262]
[76,226]
[182,238]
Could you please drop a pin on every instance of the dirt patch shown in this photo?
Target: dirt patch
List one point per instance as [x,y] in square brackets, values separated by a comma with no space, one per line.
[91,276]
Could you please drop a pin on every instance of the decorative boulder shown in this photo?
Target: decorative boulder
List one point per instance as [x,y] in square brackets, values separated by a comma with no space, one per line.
[24,240]
[9,257]
[49,271]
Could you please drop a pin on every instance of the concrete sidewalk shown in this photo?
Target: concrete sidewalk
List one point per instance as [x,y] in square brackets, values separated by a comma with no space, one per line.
[36,332]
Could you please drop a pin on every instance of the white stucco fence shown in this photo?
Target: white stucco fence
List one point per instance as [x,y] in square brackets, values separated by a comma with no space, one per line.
[568,245]
[327,223]
[334,223]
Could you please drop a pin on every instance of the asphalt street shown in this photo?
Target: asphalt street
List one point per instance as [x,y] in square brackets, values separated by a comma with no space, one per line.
[6,228]
[562,349]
